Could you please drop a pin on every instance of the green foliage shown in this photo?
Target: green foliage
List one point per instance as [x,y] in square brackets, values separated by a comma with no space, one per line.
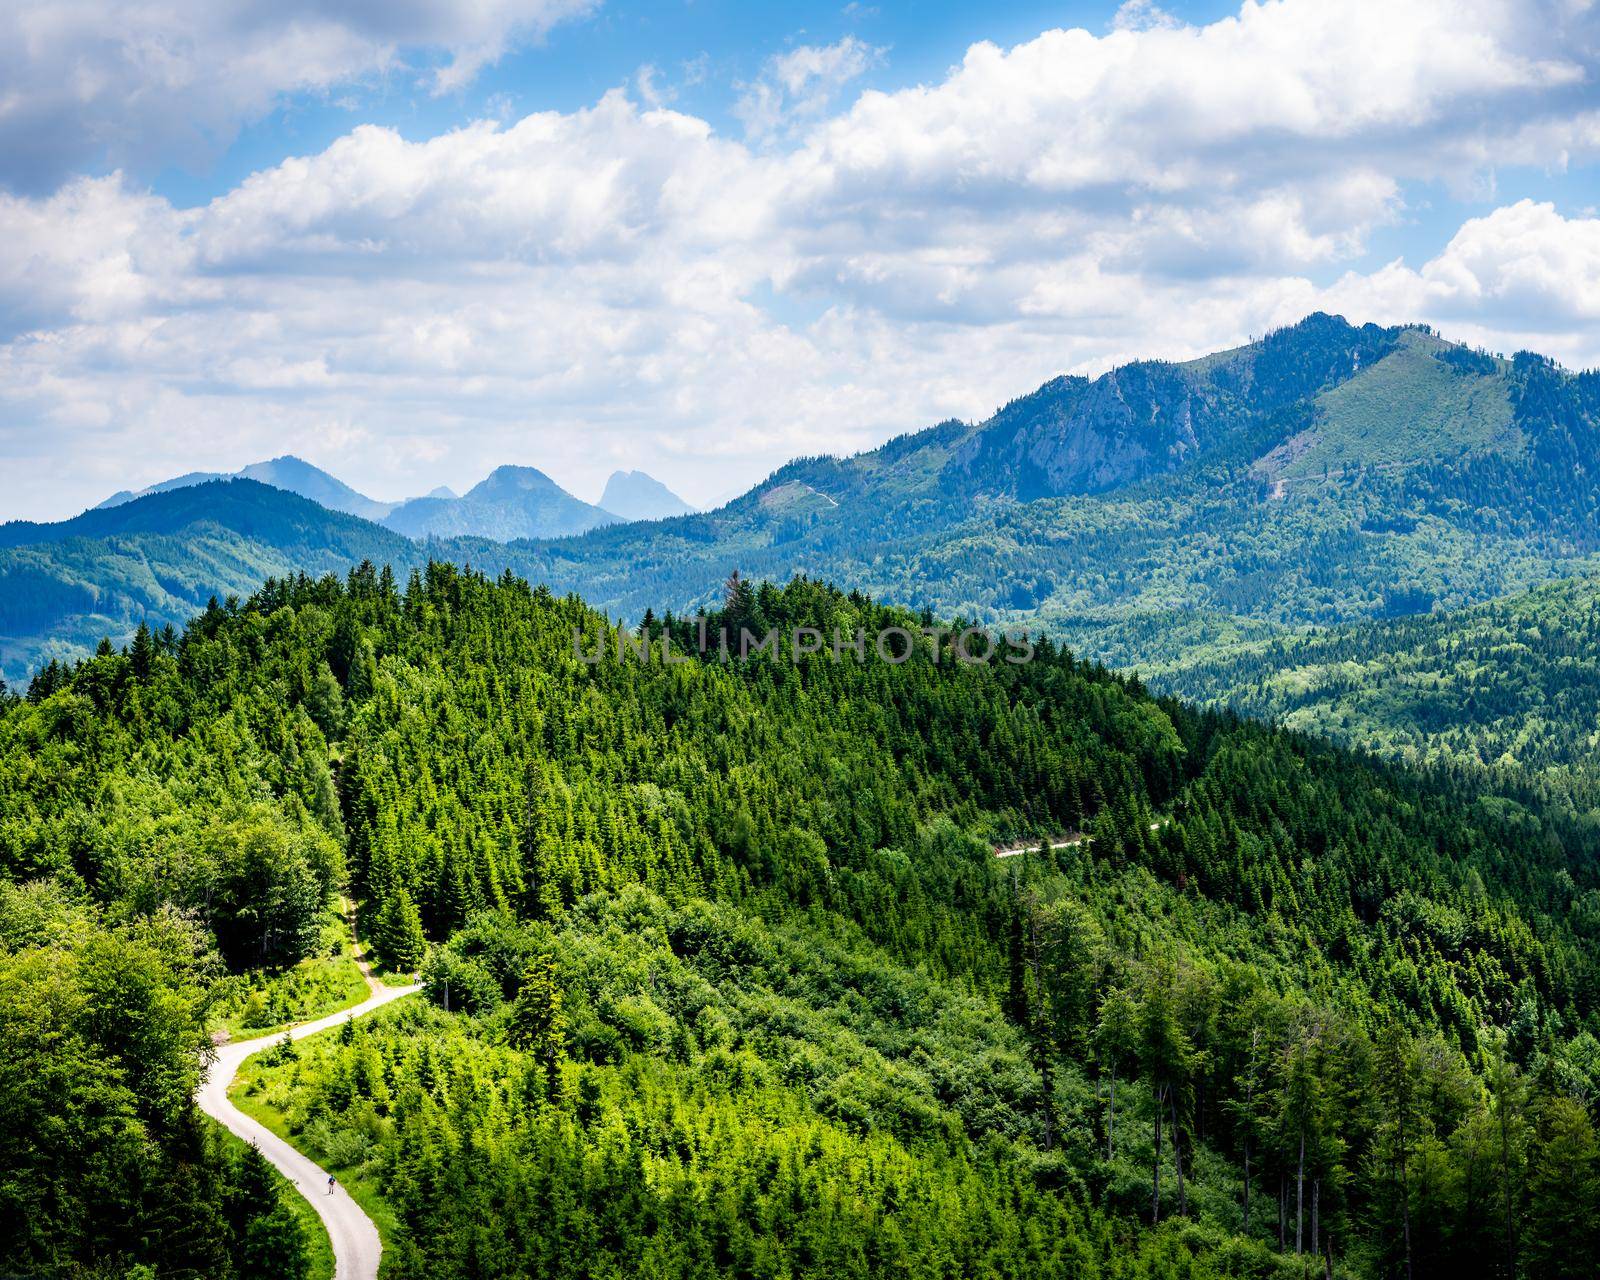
[1325,474]
[398,933]
[1506,692]
[104,1166]
[736,985]
[257,1000]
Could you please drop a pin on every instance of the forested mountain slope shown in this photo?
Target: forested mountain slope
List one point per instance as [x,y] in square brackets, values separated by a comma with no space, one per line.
[1510,688]
[1324,474]
[1327,473]
[736,987]
[158,559]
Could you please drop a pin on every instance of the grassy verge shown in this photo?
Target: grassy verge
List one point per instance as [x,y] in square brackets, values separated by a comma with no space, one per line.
[263,1004]
[391,979]
[259,1089]
[363,951]
[319,1246]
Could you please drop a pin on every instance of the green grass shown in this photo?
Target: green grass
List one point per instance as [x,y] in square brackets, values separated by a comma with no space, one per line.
[391,979]
[263,1004]
[317,1242]
[251,1094]
[1408,407]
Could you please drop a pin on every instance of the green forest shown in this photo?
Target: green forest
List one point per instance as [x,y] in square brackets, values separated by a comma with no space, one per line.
[1507,691]
[1325,474]
[723,976]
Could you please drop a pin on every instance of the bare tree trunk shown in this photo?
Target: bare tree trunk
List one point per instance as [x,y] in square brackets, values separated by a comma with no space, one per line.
[1283,1210]
[1111,1121]
[1155,1210]
[1300,1196]
[1177,1154]
[1316,1223]
[1247,1185]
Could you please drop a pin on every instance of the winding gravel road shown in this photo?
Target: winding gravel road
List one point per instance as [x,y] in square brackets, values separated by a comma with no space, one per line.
[356,1248]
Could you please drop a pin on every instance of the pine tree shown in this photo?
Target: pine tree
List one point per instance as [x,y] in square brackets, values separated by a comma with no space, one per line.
[398,936]
[538,1024]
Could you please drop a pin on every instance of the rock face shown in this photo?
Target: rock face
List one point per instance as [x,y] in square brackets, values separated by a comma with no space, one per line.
[513,502]
[1076,436]
[1073,436]
[633,495]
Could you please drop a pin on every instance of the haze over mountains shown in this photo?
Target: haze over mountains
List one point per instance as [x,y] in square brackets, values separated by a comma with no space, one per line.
[512,502]
[635,496]
[1327,473]
[288,472]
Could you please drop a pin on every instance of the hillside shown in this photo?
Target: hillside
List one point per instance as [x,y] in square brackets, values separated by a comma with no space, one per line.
[158,559]
[735,985]
[1326,474]
[1509,688]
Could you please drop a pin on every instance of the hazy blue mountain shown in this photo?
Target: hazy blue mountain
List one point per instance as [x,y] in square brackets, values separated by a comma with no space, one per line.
[299,476]
[287,472]
[163,486]
[161,557]
[633,495]
[512,502]
[1328,473]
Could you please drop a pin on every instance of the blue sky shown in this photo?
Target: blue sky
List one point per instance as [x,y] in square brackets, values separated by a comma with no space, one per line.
[701,53]
[411,241]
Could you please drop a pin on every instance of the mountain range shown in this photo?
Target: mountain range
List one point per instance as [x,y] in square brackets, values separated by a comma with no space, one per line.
[288,472]
[512,502]
[801,965]
[1325,474]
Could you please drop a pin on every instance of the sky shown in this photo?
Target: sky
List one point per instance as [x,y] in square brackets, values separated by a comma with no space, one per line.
[411,240]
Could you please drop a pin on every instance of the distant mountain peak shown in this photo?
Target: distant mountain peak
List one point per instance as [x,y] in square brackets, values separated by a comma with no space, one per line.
[634,495]
[287,472]
[511,502]
[512,478]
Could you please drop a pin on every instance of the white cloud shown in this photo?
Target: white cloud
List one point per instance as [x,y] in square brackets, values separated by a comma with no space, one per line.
[1523,276]
[797,87]
[157,80]
[1143,15]
[621,285]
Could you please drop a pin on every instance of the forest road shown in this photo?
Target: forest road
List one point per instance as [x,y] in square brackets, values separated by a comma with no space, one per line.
[356,1248]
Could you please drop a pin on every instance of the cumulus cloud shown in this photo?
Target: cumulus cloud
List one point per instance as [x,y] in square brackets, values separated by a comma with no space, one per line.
[1523,276]
[156,80]
[623,285]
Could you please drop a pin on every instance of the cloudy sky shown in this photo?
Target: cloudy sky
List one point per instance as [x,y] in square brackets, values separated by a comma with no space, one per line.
[410,240]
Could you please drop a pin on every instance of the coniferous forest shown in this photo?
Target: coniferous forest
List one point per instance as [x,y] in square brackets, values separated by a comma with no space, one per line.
[723,977]
[875,640]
